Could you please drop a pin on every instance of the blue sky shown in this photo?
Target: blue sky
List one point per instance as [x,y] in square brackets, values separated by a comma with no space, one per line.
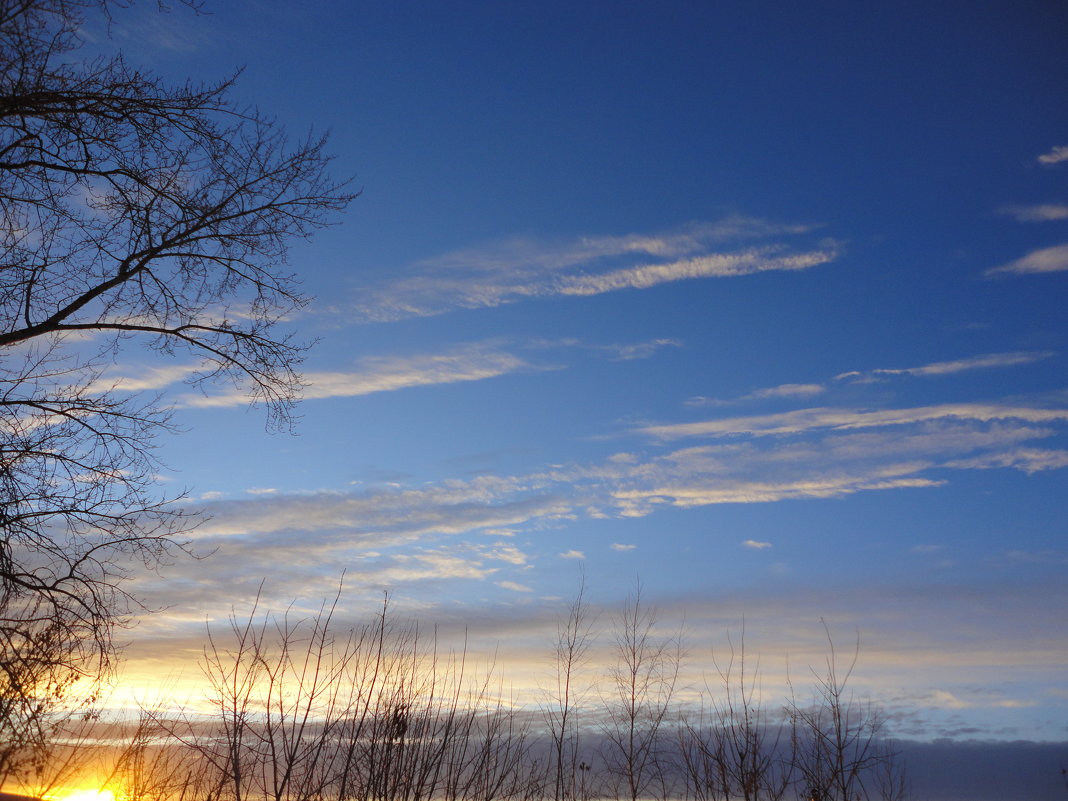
[762,303]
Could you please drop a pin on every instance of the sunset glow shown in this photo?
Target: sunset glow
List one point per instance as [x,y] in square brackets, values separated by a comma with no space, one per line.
[82,794]
[757,312]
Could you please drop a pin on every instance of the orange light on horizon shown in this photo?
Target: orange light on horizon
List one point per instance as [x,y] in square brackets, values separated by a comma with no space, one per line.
[81,794]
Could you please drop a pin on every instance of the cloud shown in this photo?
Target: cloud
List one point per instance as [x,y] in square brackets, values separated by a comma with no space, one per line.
[787,391]
[842,419]
[720,265]
[1046,260]
[815,453]
[1028,460]
[942,699]
[837,456]
[386,374]
[1054,156]
[522,269]
[828,453]
[436,565]
[614,351]
[990,360]
[513,586]
[479,361]
[1042,212]
[642,350]
[315,559]
[418,537]
[380,516]
[687,494]
[474,362]
[781,391]
[139,379]
[694,237]
[469,362]
[986,361]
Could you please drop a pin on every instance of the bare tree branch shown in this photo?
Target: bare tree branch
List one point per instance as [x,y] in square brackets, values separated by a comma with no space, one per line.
[132,212]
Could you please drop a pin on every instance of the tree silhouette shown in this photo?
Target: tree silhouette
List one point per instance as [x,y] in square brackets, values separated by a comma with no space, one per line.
[135,214]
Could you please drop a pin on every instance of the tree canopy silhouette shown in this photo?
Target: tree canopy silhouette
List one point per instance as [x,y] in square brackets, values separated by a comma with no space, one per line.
[135,213]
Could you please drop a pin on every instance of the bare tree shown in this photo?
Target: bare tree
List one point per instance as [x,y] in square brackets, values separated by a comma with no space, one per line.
[838,748]
[32,678]
[151,765]
[570,649]
[642,684]
[300,710]
[133,212]
[736,751]
[300,713]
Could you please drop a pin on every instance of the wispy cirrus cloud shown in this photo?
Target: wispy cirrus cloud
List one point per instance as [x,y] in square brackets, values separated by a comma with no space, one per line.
[145,378]
[1055,156]
[842,419]
[421,535]
[681,489]
[385,516]
[386,374]
[1046,260]
[390,373]
[768,393]
[461,363]
[1041,212]
[437,531]
[787,391]
[719,265]
[1029,460]
[514,586]
[522,269]
[983,362]
[618,352]
[934,369]
[641,350]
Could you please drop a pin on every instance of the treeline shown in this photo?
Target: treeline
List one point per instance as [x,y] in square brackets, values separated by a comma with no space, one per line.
[298,711]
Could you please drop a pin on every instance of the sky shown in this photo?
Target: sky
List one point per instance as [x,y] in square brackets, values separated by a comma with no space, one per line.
[761,305]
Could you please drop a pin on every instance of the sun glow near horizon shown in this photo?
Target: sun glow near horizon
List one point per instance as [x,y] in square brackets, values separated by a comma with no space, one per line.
[82,794]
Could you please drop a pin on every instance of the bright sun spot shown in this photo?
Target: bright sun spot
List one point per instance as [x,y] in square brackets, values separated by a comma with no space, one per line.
[83,795]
